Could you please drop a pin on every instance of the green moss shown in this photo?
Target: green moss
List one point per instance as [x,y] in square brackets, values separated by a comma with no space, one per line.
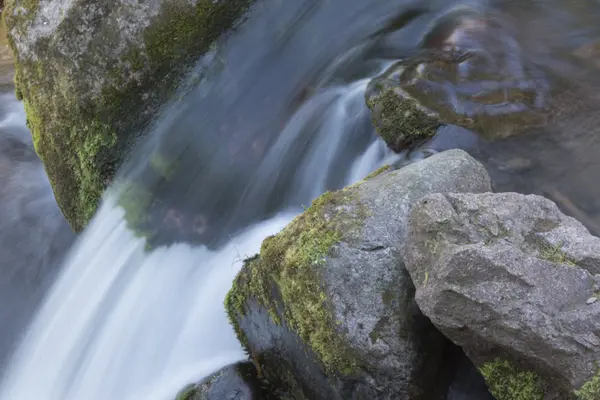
[290,262]
[506,382]
[378,172]
[555,254]
[399,121]
[82,139]
[24,10]
[590,390]
[189,393]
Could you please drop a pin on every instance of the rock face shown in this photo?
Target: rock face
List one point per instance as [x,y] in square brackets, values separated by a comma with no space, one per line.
[92,72]
[514,282]
[235,382]
[327,310]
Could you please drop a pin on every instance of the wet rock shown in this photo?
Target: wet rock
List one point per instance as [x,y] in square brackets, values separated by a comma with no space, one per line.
[235,382]
[6,59]
[589,53]
[91,75]
[508,277]
[327,307]
[400,120]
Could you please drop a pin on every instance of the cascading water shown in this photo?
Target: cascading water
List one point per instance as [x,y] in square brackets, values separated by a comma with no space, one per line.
[125,323]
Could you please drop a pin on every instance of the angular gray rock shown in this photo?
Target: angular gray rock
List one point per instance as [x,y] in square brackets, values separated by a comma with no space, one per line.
[508,277]
[327,307]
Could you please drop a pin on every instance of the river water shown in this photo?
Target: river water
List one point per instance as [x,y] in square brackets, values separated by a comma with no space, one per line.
[273,116]
[33,233]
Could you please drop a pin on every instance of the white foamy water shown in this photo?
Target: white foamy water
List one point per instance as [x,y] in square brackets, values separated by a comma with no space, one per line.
[122,324]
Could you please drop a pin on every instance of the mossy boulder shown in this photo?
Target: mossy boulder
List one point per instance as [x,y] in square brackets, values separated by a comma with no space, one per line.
[515,283]
[92,73]
[326,309]
[399,119]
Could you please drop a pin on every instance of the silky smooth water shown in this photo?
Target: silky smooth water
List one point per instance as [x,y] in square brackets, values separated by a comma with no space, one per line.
[270,118]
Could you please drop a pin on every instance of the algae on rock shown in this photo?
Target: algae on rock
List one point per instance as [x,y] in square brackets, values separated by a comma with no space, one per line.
[400,121]
[92,73]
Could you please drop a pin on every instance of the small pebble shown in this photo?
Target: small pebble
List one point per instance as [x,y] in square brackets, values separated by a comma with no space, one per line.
[591,300]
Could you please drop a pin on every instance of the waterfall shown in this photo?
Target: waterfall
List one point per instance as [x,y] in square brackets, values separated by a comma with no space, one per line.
[121,323]
[125,322]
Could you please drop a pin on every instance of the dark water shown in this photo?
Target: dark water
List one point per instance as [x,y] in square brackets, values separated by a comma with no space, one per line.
[33,233]
[271,118]
[557,158]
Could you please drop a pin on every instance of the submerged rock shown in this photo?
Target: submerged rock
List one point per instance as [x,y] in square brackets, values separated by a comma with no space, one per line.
[235,382]
[327,310]
[399,119]
[91,73]
[470,71]
[508,277]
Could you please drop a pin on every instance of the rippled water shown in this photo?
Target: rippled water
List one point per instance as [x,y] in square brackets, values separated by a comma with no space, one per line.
[272,117]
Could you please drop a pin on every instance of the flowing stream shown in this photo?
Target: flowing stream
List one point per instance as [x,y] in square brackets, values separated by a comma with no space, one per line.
[270,118]
[122,322]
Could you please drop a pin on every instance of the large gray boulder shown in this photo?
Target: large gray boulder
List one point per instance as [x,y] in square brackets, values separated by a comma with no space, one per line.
[513,281]
[327,309]
[92,73]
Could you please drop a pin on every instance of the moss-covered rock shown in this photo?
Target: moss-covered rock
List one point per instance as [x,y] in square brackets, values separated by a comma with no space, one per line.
[507,382]
[326,309]
[92,73]
[590,390]
[6,59]
[400,121]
